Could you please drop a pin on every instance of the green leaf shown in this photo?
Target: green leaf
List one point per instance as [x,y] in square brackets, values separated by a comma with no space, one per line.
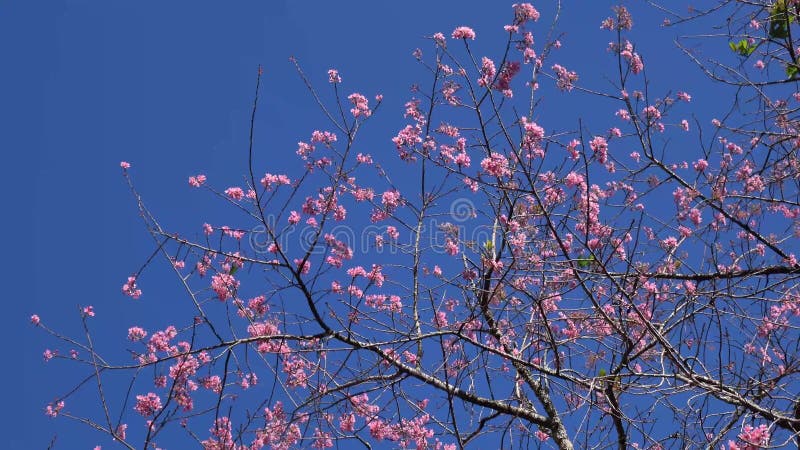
[778,29]
[602,372]
[234,269]
[743,47]
[779,21]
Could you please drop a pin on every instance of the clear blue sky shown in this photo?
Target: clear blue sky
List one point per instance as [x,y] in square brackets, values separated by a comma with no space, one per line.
[168,87]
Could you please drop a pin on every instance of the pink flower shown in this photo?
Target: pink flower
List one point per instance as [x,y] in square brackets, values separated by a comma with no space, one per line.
[322,439]
[136,333]
[360,105]
[524,12]
[391,200]
[684,96]
[669,243]
[464,33]
[600,148]
[52,410]
[147,405]
[357,271]
[573,179]
[121,431]
[451,247]
[35,319]
[325,137]
[270,180]
[88,311]
[636,63]
[125,165]
[235,193]
[224,284]
[294,218]
[685,125]
[212,383]
[333,76]
[48,354]
[347,422]
[392,232]
[488,72]
[407,137]
[306,267]
[756,437]
[439,39]
[197,180]
[440,320]
[496,165]
[131,289]
[700,165]
[564,78]
[376,276]
[651,113]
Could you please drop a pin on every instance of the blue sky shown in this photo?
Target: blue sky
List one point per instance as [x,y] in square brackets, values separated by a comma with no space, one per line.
[168,87]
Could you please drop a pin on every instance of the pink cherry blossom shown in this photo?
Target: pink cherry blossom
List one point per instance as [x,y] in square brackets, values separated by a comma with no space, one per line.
[463,33]
[197,180]
[333,76]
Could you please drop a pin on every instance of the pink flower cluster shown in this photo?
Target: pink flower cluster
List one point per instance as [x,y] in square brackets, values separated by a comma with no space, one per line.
[624,21]
[360,105]
[131,289]
[406,432]
[464,33]
[333,76]
[224,285]
[633,58]
[488,71]
[406,140]
[197,180]
[754,438]
[599,146]
[271,180]
[507,73]
[524,12]
[52,410]
[565,79]
[136,333]
[496,165]
[324,137]
[147,405]
[221,436]
[391,199]
[235,193]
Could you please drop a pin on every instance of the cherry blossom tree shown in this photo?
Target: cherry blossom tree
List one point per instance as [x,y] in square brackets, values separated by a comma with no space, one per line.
[510,282]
